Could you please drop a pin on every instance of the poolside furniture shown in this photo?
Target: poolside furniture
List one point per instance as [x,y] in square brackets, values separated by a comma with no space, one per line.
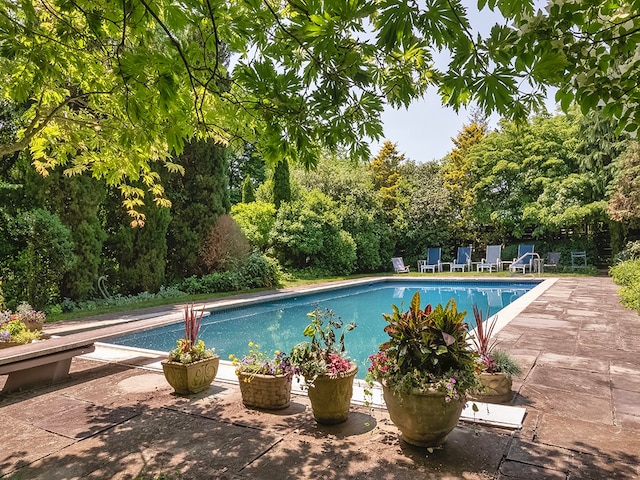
[578,260]
[399,266]
[552,260]
[524,260]
[463,259]
[492,259]
[432,262]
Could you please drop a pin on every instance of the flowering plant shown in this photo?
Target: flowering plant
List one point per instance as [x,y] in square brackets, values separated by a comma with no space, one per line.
[24,318]
[427,351]
[322,355]
[23,326]
[191,349]
[490,359]
[260,363]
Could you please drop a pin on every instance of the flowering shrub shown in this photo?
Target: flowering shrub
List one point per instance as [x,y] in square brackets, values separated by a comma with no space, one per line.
[24,318]
[322,355]
[15,330]
[33,319]
[427,351]
[259,363]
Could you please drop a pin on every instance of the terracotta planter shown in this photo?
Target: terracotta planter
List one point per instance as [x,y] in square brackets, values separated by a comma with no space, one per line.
[424,419]
[331,396]
[271,392]
[186,378]
[496,388]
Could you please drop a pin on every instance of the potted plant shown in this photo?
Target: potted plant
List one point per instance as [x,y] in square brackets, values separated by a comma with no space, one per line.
[265,380]
[33,319]
[497,367]
[191,367]
[426,369]
[15,331]
[327,371]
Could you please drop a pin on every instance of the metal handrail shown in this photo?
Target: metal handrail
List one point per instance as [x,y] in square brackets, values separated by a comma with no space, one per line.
[537,260]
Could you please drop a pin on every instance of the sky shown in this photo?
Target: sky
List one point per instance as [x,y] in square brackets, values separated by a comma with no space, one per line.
[423,132]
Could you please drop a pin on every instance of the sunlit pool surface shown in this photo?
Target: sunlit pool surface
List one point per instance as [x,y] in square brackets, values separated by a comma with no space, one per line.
[278,324]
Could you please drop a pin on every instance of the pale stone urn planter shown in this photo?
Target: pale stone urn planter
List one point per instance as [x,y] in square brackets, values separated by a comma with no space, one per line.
[495,388]
[330,396]
[271,392]
[187,378]
[423,418]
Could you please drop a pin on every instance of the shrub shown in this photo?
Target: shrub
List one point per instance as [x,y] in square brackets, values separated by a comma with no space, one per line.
[339,253]
[225,247]
[260,272]
[256,219]
[627,275]
[631,251]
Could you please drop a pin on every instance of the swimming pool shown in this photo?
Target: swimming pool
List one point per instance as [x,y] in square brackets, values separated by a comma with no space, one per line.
[278,324]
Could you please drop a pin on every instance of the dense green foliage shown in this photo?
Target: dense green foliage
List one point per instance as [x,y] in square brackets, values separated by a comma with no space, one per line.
[198,198]
[116,88]
[627,275]
[43,254]
[281,183]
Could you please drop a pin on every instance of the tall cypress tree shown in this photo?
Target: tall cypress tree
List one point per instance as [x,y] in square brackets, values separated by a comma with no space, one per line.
[281,183]
[248,195]
[198,198]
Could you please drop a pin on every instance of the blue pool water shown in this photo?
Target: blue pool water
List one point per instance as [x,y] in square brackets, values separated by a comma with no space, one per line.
[279,324]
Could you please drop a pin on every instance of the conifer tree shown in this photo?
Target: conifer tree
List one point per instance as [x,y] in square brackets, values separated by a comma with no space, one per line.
[281,183]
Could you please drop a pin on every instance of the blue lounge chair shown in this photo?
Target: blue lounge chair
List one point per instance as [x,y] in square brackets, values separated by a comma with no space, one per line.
[432,262]
[524,260]
[463,259]
[492,259]
[399,266]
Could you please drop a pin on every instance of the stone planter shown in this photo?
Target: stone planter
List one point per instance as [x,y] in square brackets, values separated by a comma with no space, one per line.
[424,419]
[35,326]
[271,392]
[496,388]
[331,396]
[186,378]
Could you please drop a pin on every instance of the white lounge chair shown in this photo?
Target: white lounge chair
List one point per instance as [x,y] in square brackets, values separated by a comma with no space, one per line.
[399,266]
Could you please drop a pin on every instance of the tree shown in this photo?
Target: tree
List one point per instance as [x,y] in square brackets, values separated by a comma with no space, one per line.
[624,205]
[248,195]
[281,183]
[458,176]
[386,175]
[199,198]
[350,186]
[116,87]
[431,211]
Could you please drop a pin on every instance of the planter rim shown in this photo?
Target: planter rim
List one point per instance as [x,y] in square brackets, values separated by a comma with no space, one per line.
[430,392]
[264,375]
[172,362]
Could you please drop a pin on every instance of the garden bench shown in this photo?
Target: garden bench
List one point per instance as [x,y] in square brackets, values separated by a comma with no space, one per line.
[42,362]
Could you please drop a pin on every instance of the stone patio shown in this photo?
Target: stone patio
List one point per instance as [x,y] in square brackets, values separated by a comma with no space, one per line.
[581,388]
